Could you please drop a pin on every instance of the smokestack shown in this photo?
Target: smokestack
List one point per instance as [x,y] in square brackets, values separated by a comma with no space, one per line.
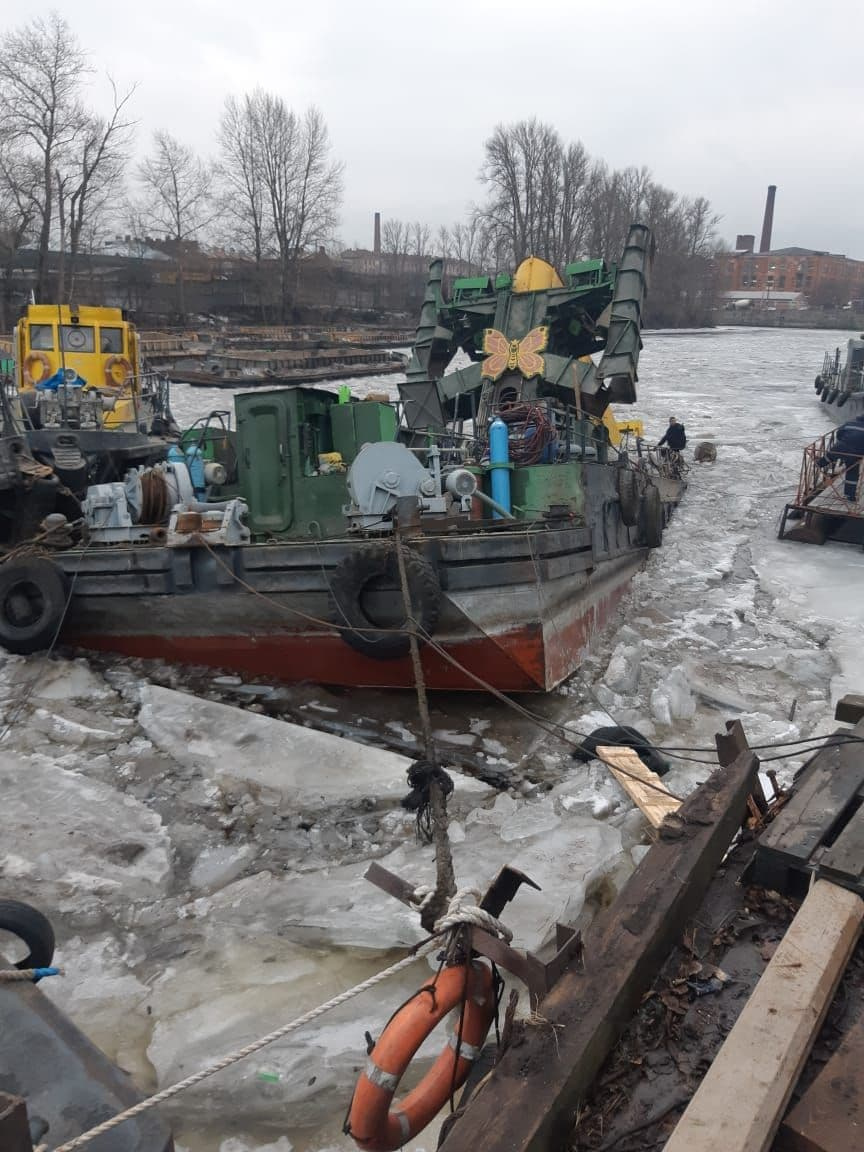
[377,248]
[768,222]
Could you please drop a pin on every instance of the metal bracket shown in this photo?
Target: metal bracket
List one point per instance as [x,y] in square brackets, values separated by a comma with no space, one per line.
[538,976]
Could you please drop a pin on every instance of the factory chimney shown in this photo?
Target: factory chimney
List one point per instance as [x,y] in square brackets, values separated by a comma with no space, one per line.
[768,222]
[377,248]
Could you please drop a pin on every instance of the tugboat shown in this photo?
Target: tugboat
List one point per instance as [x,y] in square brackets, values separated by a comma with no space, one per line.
[88,406]
[841,388]
[505,489]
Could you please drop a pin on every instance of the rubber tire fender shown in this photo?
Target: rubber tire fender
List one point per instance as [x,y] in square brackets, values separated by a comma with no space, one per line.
[29,925]
[817,383]
[842,398]
[832,395]
[51,584]
[652,517]
[628,496]
[352,576]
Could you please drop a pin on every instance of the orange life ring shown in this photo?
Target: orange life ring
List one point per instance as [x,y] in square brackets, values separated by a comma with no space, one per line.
[118,371]
[371,1123]
[36,358]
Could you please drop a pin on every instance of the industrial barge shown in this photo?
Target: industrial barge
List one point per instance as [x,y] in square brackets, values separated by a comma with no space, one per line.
[839,386]
[271,548]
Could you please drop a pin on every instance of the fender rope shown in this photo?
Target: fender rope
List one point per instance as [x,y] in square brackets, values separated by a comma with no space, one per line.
[240,1054]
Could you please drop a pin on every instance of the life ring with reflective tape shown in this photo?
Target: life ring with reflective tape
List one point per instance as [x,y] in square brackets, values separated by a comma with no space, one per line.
[30,361]
[372,1123]
[118,371]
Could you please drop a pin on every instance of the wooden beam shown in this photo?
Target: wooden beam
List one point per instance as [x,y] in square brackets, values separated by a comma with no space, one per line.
[644,787]
[529,1101]
[739,1104]
[828,1116]
[14,1128]
[822,792]
[850,709]
[843,862]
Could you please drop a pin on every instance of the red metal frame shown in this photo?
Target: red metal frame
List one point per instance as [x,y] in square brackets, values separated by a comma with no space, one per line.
[820,489]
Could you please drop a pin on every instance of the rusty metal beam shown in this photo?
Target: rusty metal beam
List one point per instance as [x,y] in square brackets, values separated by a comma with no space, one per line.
[529,1101]
[14,1127]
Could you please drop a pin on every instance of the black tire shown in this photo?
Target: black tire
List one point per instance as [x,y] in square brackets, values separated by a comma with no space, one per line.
[842,398]
[33,928]
[629,738]
[817,383]
[32,604]
[652,517]
[628,496]
[351,579]
[832,395]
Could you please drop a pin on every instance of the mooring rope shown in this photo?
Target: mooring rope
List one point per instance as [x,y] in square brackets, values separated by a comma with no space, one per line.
[240,1054]
[34,975]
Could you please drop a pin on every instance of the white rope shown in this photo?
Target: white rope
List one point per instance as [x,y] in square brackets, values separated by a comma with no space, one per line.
[464,909]
[240,1054]
[422,896]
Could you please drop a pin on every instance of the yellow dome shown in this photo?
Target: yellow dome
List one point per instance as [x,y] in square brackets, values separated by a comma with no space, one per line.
[535,275]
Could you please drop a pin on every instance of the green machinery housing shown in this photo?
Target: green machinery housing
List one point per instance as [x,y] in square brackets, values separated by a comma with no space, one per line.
[274,459]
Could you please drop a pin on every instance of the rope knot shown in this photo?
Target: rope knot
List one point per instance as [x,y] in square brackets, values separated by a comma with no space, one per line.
[464,908]
[421,775]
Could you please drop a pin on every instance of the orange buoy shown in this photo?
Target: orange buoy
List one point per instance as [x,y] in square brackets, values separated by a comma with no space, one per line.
[118,371]
[30,361]
[371,1122]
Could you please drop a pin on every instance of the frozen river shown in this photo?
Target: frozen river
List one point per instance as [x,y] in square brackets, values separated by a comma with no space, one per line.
[203,890]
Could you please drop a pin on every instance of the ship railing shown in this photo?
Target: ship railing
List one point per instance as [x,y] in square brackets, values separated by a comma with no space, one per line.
[830,487]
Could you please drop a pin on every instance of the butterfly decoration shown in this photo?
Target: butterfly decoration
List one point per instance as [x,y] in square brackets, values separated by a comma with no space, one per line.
[503,355]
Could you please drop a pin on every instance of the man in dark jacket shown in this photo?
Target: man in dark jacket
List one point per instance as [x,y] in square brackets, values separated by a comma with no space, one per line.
[673,437]
[848,450]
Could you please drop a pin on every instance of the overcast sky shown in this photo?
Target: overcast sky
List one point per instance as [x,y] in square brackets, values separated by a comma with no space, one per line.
[718,99]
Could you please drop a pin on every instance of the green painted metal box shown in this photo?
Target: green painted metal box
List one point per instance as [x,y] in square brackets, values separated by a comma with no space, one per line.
[536,488]
[280,435]
[359,423]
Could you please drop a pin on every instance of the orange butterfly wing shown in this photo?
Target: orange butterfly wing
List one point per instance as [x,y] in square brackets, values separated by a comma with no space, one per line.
[497,347]
[530,361]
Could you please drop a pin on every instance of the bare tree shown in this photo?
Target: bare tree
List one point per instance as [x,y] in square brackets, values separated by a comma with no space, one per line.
[245,191]
[701,225]
[92,175]
[319,186]
[420,237]
[41,70]
[444,242]
[20,206]
[521,168]
[178,188]
[395,244]
[300,185]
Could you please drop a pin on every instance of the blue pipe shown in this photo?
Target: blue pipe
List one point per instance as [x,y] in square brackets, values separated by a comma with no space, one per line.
[499,461]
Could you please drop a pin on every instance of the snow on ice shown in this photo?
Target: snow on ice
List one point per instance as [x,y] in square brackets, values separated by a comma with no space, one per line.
[203,864]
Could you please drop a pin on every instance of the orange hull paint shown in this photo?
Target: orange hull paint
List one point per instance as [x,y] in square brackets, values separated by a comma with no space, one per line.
[517,661]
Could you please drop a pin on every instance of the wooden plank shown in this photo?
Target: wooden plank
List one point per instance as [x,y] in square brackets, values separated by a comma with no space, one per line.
[14,1128]
[843,862]
[528,1102]
[740,1102]
[824,788]
[644,787]
[829,1116]
[850,709]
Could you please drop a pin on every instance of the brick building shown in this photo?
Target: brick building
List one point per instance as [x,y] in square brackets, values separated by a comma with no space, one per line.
[823,277]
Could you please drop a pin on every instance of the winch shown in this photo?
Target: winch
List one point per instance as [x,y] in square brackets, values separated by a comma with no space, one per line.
[386,472]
